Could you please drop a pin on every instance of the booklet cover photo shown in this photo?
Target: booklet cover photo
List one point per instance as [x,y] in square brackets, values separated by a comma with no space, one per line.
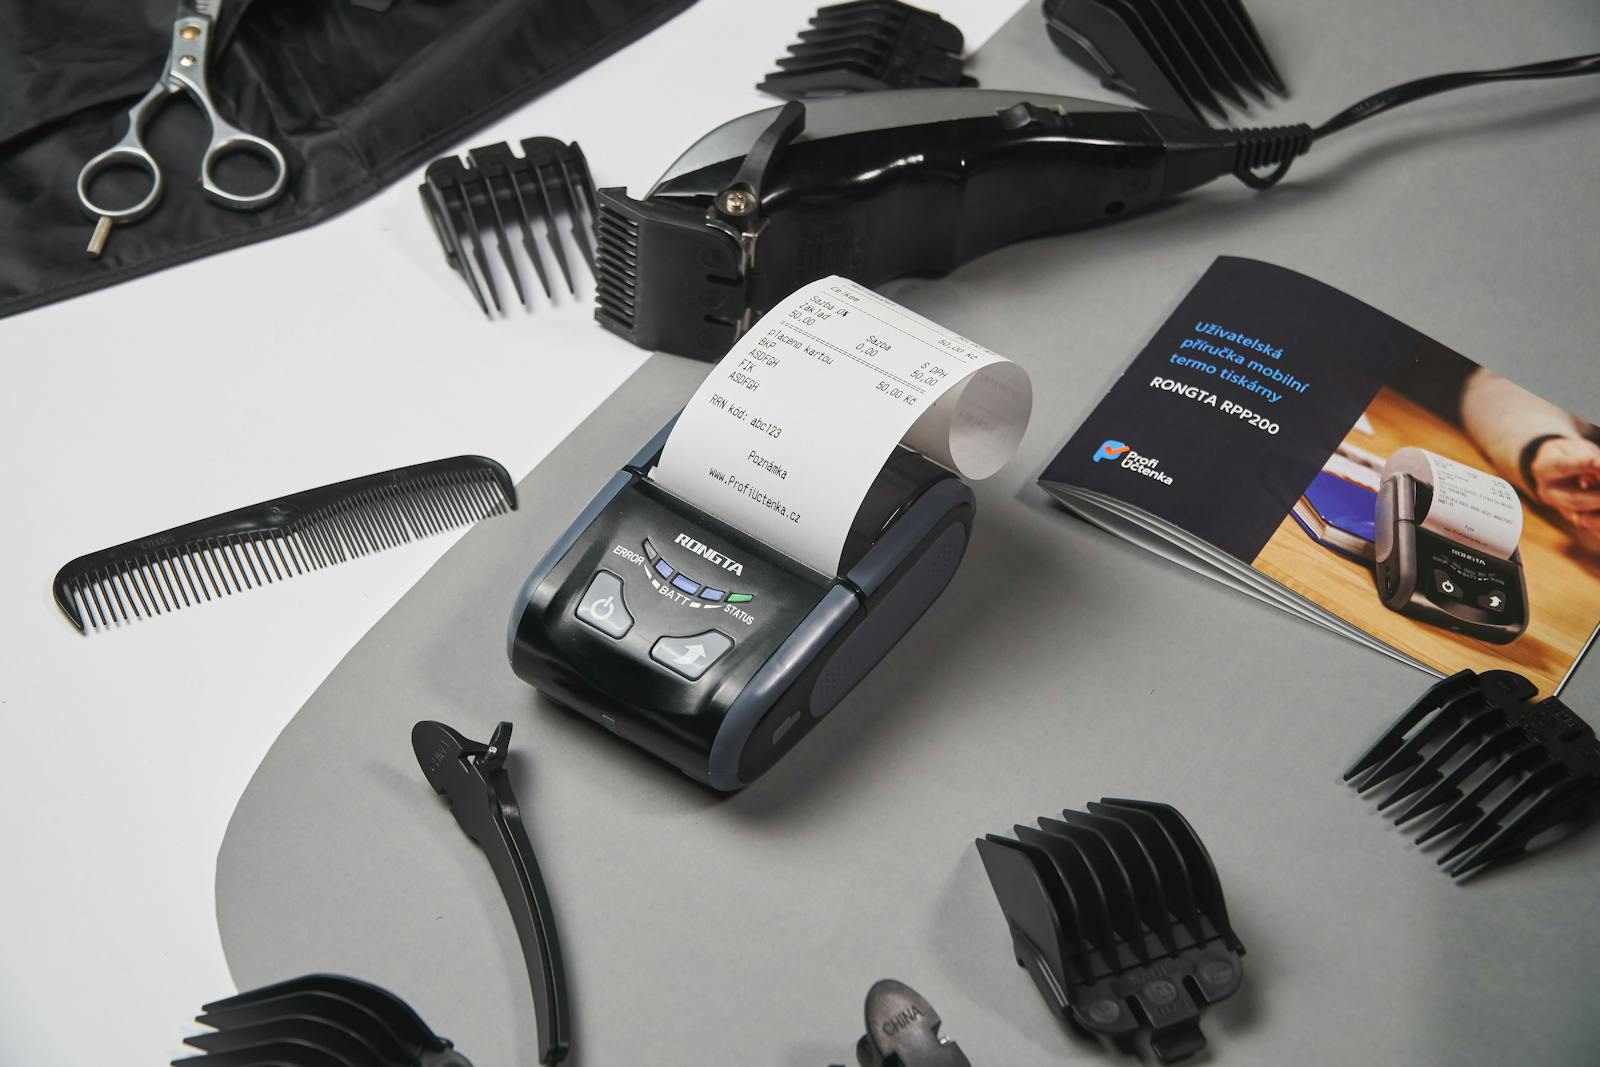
[1305,448]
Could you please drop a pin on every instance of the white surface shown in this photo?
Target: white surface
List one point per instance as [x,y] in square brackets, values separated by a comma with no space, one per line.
[335,352]
[789,431]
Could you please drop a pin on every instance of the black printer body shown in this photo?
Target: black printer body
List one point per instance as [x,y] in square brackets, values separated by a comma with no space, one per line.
[1440,581]
[711,649]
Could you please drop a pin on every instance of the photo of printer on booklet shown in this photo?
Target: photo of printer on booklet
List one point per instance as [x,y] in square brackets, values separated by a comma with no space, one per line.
[1303,447]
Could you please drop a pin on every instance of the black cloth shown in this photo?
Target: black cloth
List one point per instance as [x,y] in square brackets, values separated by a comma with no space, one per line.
[354,98]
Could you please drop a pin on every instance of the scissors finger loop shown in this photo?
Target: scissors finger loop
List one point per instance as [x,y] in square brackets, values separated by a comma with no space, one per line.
[129,153]
[226,139]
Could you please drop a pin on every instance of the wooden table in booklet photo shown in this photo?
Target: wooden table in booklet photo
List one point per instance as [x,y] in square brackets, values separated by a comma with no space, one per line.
[1562,574]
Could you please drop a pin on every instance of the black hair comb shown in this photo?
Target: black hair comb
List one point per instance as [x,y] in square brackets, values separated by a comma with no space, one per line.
[1486,766]
[279,539]
[1118,916]
[868,45]
[1177,56]
[494,189]
[319,1020]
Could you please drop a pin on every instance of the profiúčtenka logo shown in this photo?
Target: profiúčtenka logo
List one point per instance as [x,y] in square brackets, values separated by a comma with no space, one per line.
[1123,455]
[1110,450]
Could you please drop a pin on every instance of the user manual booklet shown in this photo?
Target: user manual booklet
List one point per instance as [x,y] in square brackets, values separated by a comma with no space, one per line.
[1307,449]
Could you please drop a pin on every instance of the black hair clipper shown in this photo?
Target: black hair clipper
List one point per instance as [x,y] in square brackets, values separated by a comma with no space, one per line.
[881,185]
[916,181]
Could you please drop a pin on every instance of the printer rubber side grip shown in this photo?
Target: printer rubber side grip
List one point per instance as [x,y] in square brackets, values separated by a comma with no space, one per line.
[1395,541]
[939,527]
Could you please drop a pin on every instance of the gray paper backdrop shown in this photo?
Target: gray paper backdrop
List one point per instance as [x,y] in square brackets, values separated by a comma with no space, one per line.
[1062,665]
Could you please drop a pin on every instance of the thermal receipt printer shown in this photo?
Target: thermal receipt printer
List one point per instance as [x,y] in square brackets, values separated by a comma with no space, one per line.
[1446,547]
[709,648]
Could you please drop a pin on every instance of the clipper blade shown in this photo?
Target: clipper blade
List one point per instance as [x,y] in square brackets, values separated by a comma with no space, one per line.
[1483,771]
[494,191]
[868,45]
[323,1019]
[1178,56]
[1118,916]
[665,280]
[278,539]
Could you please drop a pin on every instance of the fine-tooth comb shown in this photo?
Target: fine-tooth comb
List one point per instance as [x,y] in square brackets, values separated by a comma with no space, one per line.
[1487,768]
[867,45]
[1177,56]
[279,539]
[318,1020]
[1118,916]
[494,190]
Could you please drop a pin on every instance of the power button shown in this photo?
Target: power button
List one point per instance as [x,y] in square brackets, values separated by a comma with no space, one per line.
[602,606]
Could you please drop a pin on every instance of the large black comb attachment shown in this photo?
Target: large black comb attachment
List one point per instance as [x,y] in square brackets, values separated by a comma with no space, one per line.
[869,45]
[278,539]
[1118,916]
[1178,56]
[495,192]
[319,1020]
[1483,771]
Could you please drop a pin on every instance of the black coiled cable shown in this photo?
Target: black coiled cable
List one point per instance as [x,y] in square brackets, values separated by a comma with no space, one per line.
[1277,146]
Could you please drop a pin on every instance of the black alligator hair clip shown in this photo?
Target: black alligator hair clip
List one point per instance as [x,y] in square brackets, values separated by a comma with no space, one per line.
[1488,766]
[473,777]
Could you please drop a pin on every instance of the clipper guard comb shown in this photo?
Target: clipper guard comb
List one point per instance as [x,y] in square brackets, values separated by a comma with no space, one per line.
[1486,768]
[546,188]
[1118,916]
[868,45]
[1178,56]
[319,1020]
[278,539]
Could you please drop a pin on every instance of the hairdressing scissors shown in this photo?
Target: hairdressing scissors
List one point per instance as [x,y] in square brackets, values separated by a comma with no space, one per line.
[185,72]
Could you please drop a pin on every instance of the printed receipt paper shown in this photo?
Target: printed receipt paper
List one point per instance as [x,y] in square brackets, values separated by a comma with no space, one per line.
[1468,505]
[791,428]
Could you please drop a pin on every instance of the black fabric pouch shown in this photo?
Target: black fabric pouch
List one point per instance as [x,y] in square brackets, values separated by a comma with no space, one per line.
[355,99]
